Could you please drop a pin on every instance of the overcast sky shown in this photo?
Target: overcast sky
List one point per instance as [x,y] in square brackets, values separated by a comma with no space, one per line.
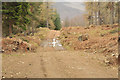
[76,5]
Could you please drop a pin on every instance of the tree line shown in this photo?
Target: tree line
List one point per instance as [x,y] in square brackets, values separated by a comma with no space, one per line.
[26,17]
[97,13]
[100,13]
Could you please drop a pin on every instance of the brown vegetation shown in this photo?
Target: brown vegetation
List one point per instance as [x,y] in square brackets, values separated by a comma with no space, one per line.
[23,43]
[102,39]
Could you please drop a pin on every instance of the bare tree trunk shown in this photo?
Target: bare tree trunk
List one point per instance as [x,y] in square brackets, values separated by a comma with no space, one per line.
[99,18]
[10,29]
[111,17]
[89,22]
[33,28]
[28,30]
[118,12]
[112,13]
[25,32]
[95,18]
[99,15]
[92,14]
[47,15]
[47,24]
[92,19]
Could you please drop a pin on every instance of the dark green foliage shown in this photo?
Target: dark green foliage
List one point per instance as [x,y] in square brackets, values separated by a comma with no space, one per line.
[15,13]
[25,40]
[57,22]
[25,17]
[42,24]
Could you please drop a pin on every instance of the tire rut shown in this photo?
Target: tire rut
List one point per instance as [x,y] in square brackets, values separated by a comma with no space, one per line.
[43,66]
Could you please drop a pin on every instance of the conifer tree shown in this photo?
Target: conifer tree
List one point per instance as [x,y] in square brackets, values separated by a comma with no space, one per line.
[57,22]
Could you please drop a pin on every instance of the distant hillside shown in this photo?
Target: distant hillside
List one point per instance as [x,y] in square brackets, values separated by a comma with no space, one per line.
[70,10]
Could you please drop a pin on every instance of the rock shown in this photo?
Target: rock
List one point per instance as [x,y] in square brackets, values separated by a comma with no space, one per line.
[107,25]
[113,54]
[66,36]
[2,51]
[86,28]
[68,33]
[83,37]
[94,52]
[18,73]
[102,35]
[11,75]
[119,39]
[3,77]
[107,62]
[21,62]
[91,26]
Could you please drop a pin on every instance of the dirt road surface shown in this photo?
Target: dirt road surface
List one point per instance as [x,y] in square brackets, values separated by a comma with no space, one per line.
[50,63]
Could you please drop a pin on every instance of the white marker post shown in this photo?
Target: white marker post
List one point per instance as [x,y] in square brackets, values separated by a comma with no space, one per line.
[54,42]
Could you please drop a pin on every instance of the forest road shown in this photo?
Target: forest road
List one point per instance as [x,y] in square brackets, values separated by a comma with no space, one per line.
[55,64]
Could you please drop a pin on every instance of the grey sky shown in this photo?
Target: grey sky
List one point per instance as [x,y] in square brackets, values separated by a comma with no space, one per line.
[76,5]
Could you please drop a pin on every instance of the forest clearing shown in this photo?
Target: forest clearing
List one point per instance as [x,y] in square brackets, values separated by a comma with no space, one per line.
[38,43]
[83,62]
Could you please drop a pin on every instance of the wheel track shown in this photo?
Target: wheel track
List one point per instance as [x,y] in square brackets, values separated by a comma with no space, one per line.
[43,66]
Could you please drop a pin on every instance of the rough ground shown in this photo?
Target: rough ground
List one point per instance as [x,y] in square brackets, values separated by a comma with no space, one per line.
[49,63]
[101,40]
[58,64]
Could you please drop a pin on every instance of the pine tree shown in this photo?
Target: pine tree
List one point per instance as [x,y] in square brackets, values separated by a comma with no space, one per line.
[27,16]
[57,22]
[47,15]
[35,11]
[15,13]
